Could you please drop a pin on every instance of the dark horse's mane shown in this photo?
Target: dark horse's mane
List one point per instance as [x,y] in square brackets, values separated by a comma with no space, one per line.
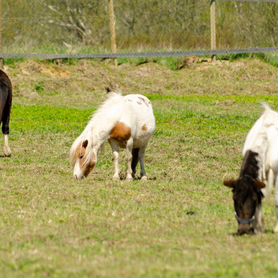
[250,165]
[5,101]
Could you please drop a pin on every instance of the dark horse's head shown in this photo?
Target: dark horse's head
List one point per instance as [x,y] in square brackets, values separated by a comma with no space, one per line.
[247,193]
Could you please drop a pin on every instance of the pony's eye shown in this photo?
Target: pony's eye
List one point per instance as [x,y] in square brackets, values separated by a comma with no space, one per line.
[81,156]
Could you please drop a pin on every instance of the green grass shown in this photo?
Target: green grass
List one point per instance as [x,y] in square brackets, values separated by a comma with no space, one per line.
[180,223]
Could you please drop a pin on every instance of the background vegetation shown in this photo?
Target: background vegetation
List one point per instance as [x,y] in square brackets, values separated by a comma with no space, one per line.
[82,26]
[181,222]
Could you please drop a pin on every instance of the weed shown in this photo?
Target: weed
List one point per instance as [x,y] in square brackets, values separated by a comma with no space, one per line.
[39,87]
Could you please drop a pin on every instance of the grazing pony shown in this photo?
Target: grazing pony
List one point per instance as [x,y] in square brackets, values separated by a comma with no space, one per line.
[125,122]
[5,109]
[260,167]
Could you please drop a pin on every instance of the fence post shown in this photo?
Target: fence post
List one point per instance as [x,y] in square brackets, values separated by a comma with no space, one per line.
[113,29]
[1,30]
[213,27]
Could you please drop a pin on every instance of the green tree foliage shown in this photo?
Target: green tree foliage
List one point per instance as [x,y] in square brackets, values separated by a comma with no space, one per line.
[70,25]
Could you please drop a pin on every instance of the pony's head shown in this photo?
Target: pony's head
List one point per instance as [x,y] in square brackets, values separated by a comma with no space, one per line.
[83,158]
[247,194]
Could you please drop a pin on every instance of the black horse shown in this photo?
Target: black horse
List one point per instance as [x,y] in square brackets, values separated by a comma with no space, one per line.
[5,109]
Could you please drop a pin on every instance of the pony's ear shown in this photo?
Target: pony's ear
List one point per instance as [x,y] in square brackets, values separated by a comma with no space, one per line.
[259,184]
[108,89]
[85,144]
[230,183]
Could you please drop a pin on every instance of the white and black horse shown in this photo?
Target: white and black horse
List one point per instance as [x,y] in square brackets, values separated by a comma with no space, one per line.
[5,109]
[259,173]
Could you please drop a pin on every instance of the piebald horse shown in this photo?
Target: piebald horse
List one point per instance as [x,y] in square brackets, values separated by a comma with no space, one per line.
[125,122]
[5,109]
[259,173]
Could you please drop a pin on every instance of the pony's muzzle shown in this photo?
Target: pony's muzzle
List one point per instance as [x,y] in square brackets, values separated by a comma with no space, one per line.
[245,229]
[78,177]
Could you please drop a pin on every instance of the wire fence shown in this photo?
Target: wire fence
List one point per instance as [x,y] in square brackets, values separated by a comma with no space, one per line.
[199,53]
[86,29]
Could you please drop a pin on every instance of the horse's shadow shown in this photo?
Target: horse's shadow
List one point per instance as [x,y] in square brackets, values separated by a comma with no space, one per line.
[266,231]
[135,177]
[4,156]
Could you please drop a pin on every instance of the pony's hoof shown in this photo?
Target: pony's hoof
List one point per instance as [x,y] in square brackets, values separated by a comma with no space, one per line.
[276,229]
[116,177]
[7,151]
[144,178]
[129,178]
[259,230]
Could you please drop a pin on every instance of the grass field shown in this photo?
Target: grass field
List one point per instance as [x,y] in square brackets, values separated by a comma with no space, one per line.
[181,222]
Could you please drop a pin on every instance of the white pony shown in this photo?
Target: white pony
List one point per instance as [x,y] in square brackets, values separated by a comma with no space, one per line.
[262,138]
[125,122]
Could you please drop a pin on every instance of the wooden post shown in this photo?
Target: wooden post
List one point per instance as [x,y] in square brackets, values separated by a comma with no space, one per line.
[113,29]
[213,27]
[1,29]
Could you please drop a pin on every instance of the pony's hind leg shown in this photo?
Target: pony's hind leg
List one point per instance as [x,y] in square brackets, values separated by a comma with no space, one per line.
[7,150]
[142,163]
[276,204]
[115,149]
[129,147]
[135,159]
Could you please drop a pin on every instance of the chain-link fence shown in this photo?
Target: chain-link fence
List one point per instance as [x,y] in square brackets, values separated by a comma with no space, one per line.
[142,26]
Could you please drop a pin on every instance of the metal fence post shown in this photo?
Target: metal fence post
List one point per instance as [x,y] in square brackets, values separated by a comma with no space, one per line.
[113,29]
[213,26]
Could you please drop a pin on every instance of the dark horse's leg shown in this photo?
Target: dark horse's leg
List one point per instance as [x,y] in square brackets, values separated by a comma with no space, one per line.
[6,127]
[5,109]
[135,159]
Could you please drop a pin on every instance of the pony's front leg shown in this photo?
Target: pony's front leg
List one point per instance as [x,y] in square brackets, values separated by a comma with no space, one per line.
[129,147]
[7,150]
[115,149]
[258,225]
[269,184]
[276,204]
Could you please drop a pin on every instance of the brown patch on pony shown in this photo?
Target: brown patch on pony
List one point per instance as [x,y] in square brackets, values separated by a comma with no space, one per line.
[144,127]
[79,152]
[121,133]
[88,168]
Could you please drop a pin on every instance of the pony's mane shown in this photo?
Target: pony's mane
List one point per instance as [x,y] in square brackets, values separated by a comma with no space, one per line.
[113,98]
[250,165]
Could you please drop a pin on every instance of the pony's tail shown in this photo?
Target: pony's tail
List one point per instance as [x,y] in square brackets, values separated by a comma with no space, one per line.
[265,106]
[113,89]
